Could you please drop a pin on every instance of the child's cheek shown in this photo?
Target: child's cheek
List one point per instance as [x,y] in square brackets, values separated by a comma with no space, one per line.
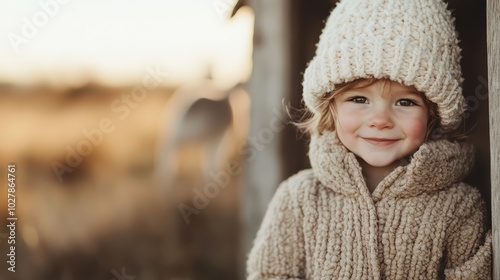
[348,119]
[417,129]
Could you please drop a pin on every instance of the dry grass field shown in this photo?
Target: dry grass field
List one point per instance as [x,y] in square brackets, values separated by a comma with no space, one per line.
[88,199]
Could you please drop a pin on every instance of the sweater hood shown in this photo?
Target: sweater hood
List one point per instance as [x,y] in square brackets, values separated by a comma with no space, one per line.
[435,166]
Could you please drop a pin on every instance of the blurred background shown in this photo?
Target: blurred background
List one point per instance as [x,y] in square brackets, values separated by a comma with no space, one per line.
[149,136]
[115,113]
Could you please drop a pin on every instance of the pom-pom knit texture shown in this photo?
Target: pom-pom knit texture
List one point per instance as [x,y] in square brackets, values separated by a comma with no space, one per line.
[420,222]
[410,42]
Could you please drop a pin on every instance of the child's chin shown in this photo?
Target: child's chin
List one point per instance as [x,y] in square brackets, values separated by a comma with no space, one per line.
[381,163]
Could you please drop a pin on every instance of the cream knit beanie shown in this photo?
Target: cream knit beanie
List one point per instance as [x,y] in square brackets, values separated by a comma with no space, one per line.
[412,42]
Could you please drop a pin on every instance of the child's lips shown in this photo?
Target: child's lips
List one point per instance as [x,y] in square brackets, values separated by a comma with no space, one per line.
[380,141]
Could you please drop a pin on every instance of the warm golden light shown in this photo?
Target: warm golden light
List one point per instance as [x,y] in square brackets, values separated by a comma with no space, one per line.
[71,42]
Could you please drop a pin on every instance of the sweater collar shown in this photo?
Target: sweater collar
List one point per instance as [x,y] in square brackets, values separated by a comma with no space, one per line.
[436,165]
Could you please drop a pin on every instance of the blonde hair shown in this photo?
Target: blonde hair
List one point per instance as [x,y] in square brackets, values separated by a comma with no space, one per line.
[311,123]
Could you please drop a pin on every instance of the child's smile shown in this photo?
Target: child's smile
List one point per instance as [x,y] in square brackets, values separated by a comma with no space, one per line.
[381,123]
[381,141]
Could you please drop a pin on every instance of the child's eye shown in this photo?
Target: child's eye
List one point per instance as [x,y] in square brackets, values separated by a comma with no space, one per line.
[358,99]
[406,102]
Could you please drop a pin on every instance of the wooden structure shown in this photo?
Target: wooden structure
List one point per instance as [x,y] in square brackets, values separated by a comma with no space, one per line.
[270,83]
[284,42]
[493,32]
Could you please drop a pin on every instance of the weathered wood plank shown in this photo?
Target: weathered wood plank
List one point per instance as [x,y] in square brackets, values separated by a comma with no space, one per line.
[269,84]
[493,33]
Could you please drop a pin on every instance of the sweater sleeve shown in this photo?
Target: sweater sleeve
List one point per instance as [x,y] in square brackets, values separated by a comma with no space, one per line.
[469,247]
[278,250]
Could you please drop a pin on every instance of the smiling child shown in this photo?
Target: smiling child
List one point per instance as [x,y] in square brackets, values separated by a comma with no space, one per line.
[384,197]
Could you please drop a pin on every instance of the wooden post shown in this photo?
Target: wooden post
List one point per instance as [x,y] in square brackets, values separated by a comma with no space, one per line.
[493,29]
[268,86]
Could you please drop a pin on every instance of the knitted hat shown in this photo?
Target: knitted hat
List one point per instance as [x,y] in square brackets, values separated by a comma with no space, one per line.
[412,42]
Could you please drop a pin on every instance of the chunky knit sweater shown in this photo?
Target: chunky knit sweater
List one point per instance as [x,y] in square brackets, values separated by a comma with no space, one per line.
[420,222]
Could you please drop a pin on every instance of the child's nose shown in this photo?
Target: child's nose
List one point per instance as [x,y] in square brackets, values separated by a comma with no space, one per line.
[380,118]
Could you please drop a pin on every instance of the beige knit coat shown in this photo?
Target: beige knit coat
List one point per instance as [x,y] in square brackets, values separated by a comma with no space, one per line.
[420,222]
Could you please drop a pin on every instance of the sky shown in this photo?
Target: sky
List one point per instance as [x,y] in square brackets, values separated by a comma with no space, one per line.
[69,42]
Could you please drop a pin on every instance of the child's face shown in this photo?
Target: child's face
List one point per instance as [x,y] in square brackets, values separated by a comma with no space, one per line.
[381,123]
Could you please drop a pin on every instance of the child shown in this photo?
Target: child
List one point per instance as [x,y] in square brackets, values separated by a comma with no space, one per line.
[383,199]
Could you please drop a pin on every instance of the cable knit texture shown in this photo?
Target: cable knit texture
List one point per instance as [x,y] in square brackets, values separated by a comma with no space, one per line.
[420,222]
[412,42]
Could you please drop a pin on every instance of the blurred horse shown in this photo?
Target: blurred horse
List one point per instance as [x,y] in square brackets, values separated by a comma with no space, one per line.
[200,117]
[202,128]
